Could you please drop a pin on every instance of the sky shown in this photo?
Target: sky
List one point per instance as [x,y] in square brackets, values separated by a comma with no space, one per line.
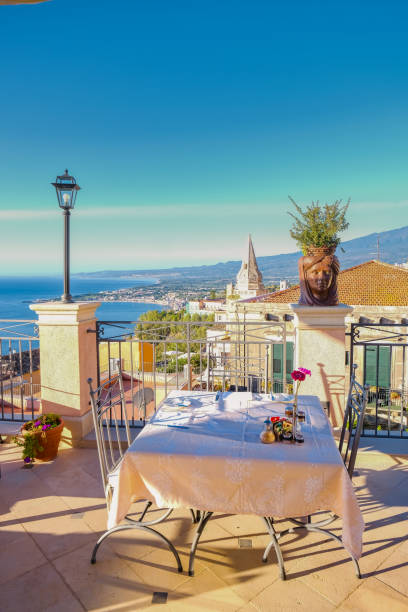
[188,123]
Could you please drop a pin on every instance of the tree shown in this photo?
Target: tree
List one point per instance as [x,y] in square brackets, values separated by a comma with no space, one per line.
[160,328]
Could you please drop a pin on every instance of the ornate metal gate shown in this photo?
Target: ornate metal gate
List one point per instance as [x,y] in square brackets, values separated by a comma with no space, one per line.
[380,350]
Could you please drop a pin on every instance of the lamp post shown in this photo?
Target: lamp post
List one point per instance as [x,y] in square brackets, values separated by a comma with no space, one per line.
[66,188]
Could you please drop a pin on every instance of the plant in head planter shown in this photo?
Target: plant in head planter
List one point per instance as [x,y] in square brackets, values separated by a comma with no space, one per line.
[40,438]
[316,231]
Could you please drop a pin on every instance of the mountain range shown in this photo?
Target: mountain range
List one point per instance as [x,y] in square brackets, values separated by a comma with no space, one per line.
[393,248]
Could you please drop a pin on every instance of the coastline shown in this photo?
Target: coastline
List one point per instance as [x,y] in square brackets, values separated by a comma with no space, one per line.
[103,300]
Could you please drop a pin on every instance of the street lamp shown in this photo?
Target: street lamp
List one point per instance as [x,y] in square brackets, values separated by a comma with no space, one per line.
[66,188]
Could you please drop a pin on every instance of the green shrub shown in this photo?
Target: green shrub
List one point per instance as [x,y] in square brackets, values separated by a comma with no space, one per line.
[318,226]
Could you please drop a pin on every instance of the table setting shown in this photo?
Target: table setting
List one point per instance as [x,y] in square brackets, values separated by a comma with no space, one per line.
[203,450]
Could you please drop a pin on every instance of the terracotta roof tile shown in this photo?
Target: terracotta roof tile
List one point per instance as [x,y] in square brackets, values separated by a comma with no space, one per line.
[372,283]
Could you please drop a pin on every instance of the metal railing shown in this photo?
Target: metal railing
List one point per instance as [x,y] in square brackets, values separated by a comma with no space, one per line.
[20,386]
[158,357]
[380,350]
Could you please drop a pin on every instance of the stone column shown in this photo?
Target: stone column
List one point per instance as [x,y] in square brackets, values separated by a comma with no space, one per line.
[321,347]
[68,357]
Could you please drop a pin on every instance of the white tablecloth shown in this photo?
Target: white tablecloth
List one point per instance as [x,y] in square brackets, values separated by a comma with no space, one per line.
[211,458]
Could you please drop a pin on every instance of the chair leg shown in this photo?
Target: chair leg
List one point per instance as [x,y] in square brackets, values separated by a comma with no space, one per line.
[204,518]
[142,528]
[274,542]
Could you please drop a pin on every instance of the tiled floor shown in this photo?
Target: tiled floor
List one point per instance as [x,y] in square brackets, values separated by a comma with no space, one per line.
[52,515]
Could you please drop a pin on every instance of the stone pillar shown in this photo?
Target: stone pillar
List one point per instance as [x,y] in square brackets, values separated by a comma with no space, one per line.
[321,347]
[68,357]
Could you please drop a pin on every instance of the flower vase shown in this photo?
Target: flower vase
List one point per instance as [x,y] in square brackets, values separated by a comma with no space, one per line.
[297,434]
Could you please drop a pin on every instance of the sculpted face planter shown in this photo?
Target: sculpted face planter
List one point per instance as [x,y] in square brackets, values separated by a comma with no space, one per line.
[318,271]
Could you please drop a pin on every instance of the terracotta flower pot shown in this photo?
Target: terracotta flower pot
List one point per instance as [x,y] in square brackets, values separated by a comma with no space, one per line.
[319,251]
[50,442]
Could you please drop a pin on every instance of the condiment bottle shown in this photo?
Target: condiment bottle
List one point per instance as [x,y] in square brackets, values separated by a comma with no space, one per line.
[267,436]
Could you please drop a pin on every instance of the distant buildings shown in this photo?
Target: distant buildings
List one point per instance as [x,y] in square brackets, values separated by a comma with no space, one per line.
[378,293]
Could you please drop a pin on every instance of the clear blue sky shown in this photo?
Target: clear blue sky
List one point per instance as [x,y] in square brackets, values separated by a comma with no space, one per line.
[188,124]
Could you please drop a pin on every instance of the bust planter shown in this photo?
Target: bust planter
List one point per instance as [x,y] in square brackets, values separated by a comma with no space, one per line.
[318,271]
[316,231]
[40,438]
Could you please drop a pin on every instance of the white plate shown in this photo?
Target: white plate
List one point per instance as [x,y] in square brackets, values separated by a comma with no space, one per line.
[184,403]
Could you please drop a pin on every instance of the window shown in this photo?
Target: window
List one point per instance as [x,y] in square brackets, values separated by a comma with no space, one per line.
[278,360]
[377,363]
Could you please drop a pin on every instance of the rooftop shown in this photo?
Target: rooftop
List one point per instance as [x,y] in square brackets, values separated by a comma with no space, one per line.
[372,283]
[53,514]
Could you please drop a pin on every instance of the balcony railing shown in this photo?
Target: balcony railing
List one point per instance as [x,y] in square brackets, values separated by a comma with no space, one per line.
[20,383]
[158,357]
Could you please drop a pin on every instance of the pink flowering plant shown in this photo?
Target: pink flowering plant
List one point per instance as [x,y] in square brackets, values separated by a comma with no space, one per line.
[298,376]
[33,432]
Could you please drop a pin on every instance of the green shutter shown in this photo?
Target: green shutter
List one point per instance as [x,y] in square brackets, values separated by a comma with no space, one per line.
[277,360]
[289,361]
[370,365]
[384,366]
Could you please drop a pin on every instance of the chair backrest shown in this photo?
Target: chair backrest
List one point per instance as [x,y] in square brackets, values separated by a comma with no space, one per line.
[142,398]
[109,410]
[353,421]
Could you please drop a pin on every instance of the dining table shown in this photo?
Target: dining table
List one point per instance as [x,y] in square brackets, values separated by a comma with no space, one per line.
[202,450]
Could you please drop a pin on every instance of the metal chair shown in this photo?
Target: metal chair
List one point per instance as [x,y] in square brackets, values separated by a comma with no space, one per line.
[352,427]
[353,421]
[141,399]
[108,409]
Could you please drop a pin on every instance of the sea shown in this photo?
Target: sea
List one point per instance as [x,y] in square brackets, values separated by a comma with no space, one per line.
[18,292]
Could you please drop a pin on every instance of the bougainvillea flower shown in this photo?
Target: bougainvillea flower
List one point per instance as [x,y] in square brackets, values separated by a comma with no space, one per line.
[298,375]
[37,423]
[27,459]
[305,371]
[45,427]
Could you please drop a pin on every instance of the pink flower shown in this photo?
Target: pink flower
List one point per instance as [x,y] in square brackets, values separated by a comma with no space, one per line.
[305,371]
[298,375]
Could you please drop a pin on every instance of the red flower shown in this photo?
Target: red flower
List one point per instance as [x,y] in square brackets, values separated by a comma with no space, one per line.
[298,375]
[305,371]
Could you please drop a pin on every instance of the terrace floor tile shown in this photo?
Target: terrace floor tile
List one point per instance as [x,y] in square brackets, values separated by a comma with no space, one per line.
[53,514]
[40,590]
[374,595]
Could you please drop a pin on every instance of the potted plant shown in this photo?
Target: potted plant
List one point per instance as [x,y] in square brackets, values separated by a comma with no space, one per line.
[40,438]
[317,228]
[316,231]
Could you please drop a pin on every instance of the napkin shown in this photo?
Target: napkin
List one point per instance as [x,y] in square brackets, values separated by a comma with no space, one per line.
[281,397]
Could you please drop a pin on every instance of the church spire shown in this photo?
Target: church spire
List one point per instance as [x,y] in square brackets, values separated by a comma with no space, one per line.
[249,279]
